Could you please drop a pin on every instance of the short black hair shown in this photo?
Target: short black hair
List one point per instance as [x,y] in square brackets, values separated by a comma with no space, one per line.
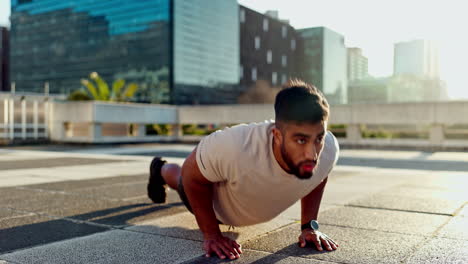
[300,102]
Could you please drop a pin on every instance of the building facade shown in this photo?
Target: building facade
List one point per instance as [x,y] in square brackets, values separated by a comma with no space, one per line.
[206,51]
[322,62]
[4,59]
[397,89]
[357,65]
[370,90]
[156,43]
[268,49]
[417,57]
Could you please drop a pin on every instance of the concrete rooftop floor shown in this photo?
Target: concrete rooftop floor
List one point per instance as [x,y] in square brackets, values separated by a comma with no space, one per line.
[90,206]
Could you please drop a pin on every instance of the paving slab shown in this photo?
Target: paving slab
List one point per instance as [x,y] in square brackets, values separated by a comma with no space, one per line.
[92,209]
[119,191]
[376,219]
[416,199]
[25,155]
[51,162]
[13,180]
[23,218]
[12,195]
[94,171]
[131,216]
[116,246]
[20,177]
[344,193]
[355,245]
[42,230]
[457,228]
[440,180]
[464,211]
[90,183]
[184,225]
[56,203]
[6,213]
[443,251]
[409,164]
[294,212]
[257,257]
[369,176]
[129,211]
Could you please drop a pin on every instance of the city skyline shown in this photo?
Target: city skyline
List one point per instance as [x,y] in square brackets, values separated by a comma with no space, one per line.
[362,23]
[375,26]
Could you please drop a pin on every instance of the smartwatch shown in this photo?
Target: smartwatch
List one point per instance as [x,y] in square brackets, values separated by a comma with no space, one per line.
[313,224]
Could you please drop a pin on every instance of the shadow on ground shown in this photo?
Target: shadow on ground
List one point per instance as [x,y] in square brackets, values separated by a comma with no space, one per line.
[57,229]
[260,257]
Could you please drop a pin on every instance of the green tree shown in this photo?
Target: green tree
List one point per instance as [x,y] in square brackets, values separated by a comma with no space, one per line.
[99,90]
[79,95]
[153,84]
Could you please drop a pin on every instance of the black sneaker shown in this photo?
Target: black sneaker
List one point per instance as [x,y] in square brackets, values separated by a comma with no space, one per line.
[156,185]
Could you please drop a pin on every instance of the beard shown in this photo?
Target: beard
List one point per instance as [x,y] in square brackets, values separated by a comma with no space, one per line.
[293,168]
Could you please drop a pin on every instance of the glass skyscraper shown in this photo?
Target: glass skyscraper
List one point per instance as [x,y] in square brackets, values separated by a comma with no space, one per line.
[188,47]
[323,62]
[206,51]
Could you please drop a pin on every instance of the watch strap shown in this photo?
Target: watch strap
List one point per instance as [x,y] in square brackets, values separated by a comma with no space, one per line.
[305,226]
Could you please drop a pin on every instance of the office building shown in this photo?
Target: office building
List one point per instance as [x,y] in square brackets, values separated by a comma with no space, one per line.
[4,59]
[268,49]
[397,89]
[417,57]
[323,62]
[357,65]
[188,47]
[369,91]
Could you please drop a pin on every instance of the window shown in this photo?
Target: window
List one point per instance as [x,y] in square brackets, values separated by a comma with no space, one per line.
[20,2]
[257,42]
[274,78]
[293,44]
[265,24]
[284,60]
[242,16]
[284,31]
[241,71]
[269,56]
[254,74]
[283,79]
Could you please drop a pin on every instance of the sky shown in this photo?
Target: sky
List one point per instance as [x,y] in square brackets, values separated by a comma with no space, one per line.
[374,26]
[4,12]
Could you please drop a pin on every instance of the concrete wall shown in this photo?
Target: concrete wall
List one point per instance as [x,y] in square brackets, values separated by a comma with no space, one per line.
[88,121]
[447,113]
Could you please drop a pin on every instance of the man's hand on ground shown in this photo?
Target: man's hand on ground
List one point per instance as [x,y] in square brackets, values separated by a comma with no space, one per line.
[318,238]
[222,246]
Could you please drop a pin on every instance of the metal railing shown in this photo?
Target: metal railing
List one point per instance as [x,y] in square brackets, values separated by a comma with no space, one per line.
[23,119]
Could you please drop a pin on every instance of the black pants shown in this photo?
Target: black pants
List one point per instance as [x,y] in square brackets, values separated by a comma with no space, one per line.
[183,197]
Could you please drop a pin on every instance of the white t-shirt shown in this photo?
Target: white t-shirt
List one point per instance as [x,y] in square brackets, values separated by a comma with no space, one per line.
[250,186]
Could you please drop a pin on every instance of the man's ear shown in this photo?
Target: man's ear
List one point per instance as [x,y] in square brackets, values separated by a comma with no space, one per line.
[277,136]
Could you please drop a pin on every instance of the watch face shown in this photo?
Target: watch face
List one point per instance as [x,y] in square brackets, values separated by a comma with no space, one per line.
[314,224]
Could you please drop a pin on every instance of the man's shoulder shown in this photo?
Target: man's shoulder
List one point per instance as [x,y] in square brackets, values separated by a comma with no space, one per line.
[331,147]
[242,131]
[331,142]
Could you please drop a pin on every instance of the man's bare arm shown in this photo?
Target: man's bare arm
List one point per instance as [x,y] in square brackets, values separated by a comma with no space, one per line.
[199,191]
[310,205]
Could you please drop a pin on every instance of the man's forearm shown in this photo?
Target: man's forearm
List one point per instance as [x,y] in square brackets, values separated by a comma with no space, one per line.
[310,204]
[200,197]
